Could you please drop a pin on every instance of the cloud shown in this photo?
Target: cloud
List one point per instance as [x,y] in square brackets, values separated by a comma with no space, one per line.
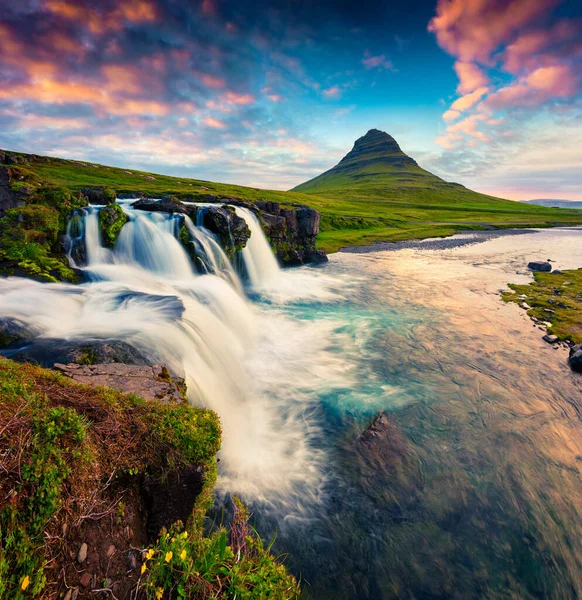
[510,56]
[332,92]
[377,62]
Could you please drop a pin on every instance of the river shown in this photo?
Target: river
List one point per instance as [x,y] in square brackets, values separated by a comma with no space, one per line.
[472,489]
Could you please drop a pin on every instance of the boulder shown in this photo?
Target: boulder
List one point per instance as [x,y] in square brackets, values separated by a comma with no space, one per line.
[575,359]
[111,221]
[13,331]
[48,351]
[99,194]
[539,265]
[151,383]
[169,205]
[232,230]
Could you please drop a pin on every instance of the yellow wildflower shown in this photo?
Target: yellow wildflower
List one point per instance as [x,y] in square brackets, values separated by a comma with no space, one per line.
[183,555]
[169,556]
[159,593]
[25,582]
[173,540]
[185,535]
[150,554]
[143,568]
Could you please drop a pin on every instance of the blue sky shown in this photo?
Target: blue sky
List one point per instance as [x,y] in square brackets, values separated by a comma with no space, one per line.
[271,93]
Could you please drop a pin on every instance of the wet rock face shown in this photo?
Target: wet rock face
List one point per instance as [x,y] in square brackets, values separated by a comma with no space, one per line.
[151,383]
[166,205]
[292,232]
[8,197]
[232,230]
[48,351]
[99,194]
[111,221]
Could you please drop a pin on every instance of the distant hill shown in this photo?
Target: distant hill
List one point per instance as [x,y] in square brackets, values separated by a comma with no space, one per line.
[577,204]
[376,167]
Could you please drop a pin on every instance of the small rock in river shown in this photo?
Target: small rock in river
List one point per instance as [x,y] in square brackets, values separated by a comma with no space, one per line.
[539,265]
[82,553]
[550,338]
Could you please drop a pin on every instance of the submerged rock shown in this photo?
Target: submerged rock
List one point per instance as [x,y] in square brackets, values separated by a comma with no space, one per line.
[232,230]
[539,265]
[151,383]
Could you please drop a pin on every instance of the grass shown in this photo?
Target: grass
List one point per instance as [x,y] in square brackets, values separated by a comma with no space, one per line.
[555,298]
[72,459]
[390,204]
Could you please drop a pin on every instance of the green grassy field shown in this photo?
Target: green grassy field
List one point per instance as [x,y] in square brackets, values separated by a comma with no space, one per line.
[371,202]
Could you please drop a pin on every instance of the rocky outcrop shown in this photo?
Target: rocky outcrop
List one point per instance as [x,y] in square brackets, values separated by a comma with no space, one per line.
[232,230]
[111,221]
[9,198]
[164,205]
[149,382]
[99,194]
[292,232]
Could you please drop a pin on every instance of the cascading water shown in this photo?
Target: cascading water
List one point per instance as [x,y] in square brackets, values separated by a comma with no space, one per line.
[260,263]
[235,357]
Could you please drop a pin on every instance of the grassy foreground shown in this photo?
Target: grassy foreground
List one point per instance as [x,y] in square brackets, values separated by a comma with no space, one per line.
[555,298]
[73,459]
[387,205]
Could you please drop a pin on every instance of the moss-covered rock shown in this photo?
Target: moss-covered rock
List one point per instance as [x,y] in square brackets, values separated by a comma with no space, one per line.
[111,221]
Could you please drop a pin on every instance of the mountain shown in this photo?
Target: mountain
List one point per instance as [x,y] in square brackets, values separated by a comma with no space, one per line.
[376,167]
[556,203]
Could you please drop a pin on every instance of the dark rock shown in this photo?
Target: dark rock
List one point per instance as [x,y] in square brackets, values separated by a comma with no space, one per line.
[556,272]
[171,499]
[228,226]
[167,205]
[551,301]
[551,339]
[575,348]
[9,198]
[13,331]
[99,194]
[575,360]
[111,222]
[539,265]
[48,351]
[151,383]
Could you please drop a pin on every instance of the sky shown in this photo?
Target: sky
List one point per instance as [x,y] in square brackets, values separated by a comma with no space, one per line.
[487,93]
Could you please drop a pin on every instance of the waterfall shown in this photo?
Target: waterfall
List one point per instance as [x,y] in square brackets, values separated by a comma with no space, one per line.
[260,262]
[234,357]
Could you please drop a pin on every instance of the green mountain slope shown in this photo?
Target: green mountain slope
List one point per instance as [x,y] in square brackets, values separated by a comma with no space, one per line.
[376,193]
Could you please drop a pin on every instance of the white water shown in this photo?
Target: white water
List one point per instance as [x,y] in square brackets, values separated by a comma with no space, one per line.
[260,262]
[257,369]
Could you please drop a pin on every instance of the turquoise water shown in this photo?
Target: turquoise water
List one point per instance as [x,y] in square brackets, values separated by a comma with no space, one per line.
[473,489]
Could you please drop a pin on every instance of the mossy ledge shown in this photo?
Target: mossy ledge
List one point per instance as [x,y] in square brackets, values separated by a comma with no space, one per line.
[82,467]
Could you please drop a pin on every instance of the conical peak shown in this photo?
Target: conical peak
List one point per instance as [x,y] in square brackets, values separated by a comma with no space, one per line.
[376,146]
[377,141]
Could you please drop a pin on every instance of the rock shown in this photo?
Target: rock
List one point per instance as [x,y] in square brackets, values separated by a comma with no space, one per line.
[111,551]
[551,301]
[556,272]
[85,579]
[575,348]
[13,331]
[132,561]
[111,221]
[539,265]
[232,230]
[9,198]
[561,305]
[575,360]
[151,383]
[49,351]
[525,305]
[551,339]
[99,194]
[82,555]
[168,204]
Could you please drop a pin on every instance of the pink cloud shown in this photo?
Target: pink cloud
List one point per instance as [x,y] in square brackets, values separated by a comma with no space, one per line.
[451,115]
[214,123]
[332,92]
[238,99]
[377,62]
[470,77]
[213,82]
[468,100]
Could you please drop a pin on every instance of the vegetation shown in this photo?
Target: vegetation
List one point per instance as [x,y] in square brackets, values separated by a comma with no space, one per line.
[385,202]
[555,298]
[111,221]
[73,459]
